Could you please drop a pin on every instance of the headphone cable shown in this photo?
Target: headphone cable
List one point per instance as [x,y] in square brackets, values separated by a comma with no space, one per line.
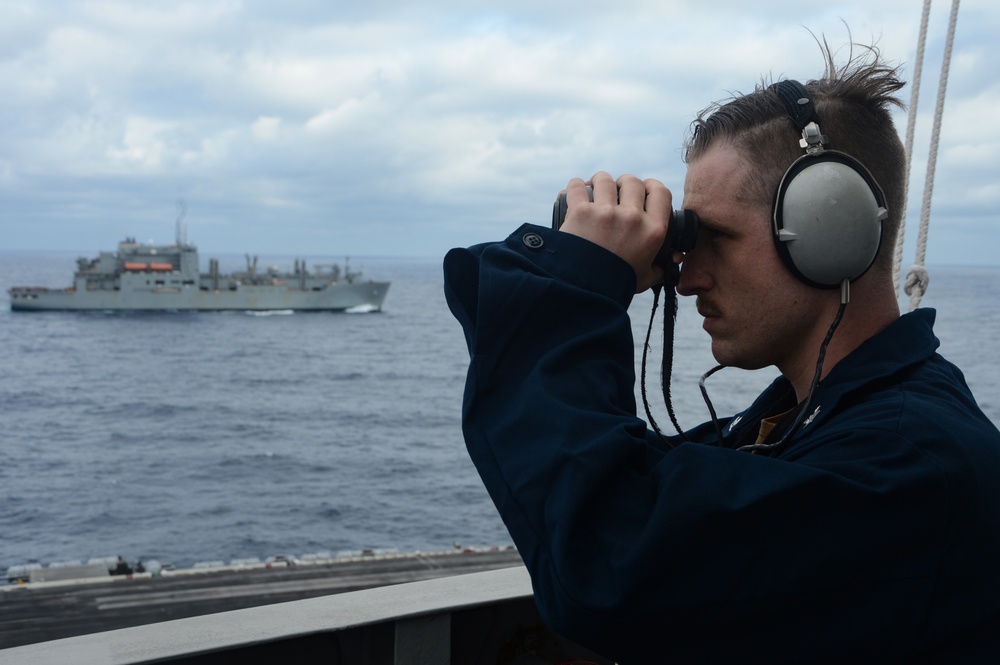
[804,407]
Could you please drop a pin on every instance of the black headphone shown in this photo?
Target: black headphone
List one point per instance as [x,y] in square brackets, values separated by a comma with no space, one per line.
[828,210]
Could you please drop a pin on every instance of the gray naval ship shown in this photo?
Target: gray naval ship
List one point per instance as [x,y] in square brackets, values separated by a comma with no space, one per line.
[147,277]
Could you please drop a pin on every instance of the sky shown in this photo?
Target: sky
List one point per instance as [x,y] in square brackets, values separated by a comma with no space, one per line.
[392,128]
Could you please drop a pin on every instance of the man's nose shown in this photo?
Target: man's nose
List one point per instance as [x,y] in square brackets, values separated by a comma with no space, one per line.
[694,279]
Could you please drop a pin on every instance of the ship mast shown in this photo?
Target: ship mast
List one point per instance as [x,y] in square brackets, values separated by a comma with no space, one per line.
[181,214]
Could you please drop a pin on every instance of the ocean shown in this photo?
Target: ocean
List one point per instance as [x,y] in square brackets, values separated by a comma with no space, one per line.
[186,438]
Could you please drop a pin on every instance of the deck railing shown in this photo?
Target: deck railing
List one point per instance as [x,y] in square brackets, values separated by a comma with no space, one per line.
[479,618]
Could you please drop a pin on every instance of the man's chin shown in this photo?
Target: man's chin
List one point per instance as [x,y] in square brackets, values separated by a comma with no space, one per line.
[725,355]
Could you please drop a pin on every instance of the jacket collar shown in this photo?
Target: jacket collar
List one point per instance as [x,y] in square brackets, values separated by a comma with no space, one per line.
[908,341]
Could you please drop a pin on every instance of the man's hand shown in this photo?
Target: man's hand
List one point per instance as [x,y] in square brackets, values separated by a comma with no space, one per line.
[628,217]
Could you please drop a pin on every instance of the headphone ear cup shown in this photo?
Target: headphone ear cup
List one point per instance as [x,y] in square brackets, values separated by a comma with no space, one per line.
[828,213]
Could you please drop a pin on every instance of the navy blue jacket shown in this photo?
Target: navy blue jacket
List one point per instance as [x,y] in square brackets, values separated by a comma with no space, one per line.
[873,537]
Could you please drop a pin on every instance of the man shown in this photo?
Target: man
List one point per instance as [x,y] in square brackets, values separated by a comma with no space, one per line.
[850,514]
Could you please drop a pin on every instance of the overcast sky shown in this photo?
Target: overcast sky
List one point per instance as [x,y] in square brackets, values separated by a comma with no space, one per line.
[391,128]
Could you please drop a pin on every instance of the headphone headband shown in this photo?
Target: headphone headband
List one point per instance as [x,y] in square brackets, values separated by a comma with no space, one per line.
[797,101]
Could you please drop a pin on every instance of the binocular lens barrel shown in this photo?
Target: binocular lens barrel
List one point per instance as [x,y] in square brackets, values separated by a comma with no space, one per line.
[681,233]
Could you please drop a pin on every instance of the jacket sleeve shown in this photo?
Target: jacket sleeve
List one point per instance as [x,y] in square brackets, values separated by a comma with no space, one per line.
[634,549]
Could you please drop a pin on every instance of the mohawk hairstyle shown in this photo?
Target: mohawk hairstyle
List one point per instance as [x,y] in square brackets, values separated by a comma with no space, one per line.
[853,103]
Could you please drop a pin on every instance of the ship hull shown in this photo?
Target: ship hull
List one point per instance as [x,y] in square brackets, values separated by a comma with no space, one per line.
[333,298]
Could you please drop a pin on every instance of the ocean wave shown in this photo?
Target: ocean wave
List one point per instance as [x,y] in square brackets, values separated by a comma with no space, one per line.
[192,437]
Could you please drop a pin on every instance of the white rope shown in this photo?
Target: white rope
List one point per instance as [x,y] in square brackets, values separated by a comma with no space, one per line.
[917,274]
[911,123]
[917,279]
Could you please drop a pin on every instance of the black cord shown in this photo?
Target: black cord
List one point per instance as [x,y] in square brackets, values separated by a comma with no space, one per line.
[804,407]
[708,402]
[666,364]
[642,375]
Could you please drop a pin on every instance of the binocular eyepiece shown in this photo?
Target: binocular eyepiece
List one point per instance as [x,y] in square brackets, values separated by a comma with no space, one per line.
[681,232]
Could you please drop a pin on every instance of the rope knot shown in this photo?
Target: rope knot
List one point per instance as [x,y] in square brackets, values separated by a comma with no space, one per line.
[917,280]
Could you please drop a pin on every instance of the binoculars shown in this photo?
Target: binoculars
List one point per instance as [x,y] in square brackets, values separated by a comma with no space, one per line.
[681,232]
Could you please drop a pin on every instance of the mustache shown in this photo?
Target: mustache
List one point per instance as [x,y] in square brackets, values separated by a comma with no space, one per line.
[706,307]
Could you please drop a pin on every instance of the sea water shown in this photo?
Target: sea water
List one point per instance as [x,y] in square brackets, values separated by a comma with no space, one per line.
[186,437]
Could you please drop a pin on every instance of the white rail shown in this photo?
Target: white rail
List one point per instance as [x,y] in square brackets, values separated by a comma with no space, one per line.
[420,623]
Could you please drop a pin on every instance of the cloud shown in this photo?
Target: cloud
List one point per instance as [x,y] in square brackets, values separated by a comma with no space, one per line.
[411,128]
[265,128]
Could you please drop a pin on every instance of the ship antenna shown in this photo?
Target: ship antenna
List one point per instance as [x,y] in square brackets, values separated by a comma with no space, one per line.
[181,214]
